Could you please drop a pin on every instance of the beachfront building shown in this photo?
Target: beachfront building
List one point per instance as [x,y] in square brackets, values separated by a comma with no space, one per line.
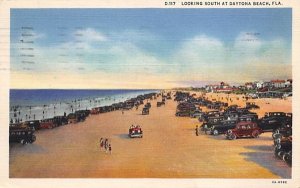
[211,87]
[278,83]
[222,87]
[249,85]
[258,84]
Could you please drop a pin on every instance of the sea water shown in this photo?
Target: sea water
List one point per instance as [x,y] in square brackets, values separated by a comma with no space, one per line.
[46,103]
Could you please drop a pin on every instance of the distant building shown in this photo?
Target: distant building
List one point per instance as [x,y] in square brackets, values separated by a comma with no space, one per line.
[249,85]
[211,88]
[267,84]
[278,83]
[288,83]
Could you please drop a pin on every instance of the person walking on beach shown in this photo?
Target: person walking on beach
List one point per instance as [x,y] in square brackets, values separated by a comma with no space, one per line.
[109,148]
[197,133]
[106,145]
[101,144]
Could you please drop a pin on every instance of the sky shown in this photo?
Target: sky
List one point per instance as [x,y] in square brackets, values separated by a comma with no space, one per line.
[148,48]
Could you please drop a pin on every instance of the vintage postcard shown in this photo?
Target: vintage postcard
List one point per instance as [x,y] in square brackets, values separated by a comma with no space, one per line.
[140,94]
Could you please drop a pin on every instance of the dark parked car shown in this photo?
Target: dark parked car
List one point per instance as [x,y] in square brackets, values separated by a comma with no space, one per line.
[23,135]
[207,115]
[249,117]
[244,129]
[34,124]
[195,114]
[274,121]
[148,105]
[158,104]
[283,149]
[145,111]
[251,105]
[212,121]
[223,127]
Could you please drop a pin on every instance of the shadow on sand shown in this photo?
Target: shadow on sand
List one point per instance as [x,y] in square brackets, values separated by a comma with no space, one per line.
[122,136]
[28,148]
[264,156]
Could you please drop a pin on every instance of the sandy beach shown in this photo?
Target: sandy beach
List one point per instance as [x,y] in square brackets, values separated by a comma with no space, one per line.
[168,149]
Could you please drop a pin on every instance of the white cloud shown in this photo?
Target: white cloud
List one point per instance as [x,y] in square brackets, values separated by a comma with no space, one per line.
[89,35]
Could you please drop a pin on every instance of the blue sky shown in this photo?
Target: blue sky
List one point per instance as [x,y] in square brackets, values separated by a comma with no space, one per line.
[170,46]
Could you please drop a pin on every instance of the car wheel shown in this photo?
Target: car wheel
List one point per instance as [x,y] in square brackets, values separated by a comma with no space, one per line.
[255,134]
[233,136]
[215,132]
[281,154]
[33,139]
[286,157]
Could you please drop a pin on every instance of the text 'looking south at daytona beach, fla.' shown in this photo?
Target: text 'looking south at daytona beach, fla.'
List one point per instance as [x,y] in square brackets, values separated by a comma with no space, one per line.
[219,3]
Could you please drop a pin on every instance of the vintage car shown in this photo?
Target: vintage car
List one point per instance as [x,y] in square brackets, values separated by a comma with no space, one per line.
[148,105]
[196,114]
[207,115]
[158,104]
[72,118]
[23,135]
[34,124]
[182,113]
[284,131]
[206,126]
[47,123]
[222,127]
[283,149]
[244,129]
[274,121]
[145,111]
[253,117]
[94,111]
[60,120]
[135,132]
[231,115]
[251,105]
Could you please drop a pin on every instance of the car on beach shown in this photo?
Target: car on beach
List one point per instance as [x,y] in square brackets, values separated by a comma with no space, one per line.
[145,111]
[148,105]
[205,116]
[34,124]
[283,149]
[251,105]
[158,104]
[222,127]
[47,123]
[212,121]
[135,132]
[244,129]
[23,135]
[196,114]
[273,121]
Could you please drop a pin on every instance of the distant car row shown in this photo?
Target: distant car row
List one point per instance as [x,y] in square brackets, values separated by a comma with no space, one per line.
[23,132]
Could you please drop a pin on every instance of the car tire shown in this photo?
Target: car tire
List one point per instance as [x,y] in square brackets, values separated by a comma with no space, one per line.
[255,134]
[215,132]
[286,157]
[33,139]
[233,136]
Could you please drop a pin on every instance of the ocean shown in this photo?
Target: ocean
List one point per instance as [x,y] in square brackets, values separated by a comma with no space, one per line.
[37,104]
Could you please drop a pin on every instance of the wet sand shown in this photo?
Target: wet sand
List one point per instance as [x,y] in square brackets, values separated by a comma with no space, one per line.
[169,149]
